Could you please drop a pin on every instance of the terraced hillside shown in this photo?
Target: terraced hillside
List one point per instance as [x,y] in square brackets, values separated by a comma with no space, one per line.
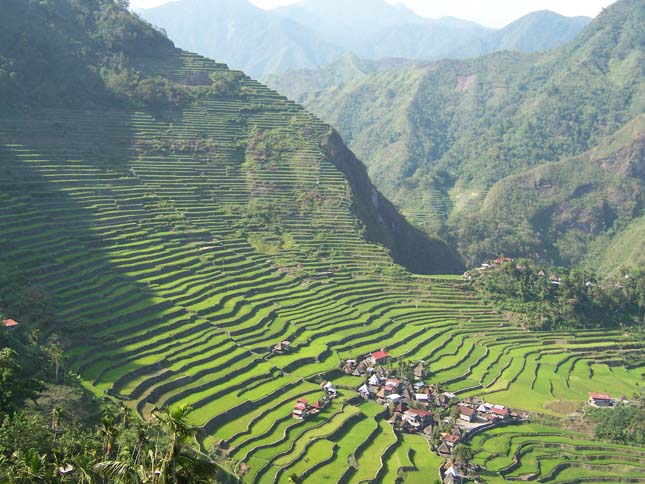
[181,245]
[544,454]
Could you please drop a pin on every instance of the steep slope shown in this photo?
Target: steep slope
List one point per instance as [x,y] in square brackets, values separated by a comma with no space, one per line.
[451,129]
[572,210]
[185,220]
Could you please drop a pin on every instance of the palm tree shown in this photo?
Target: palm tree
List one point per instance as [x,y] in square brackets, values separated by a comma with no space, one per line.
[122,472]
[31,467]
[181,463]
[175,421]
[108,431]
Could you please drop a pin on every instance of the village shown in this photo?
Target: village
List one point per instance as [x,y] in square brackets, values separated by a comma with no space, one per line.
[417,407]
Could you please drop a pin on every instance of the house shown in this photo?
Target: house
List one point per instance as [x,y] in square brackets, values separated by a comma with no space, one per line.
[299,410]
[315,408]
[444,450]
[329,389]
[452,476]
[421,397]
[394,398]
[484,407]
[349,367]
[379,357]
[601,400]
[281,346]
[392,382]
[450,440]
[10,323]
[365,391]
[467,414]
[501,412]
[418,417]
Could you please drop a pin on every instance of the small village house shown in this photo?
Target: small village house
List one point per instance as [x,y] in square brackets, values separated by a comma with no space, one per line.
[601,400]
[467,414]
[10,323]
[379,357]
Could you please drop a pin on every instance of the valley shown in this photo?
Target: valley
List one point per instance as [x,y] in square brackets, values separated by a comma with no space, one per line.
[210,242]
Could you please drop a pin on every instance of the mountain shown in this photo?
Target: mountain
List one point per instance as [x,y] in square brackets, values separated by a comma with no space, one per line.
[587,208]
[201,253]
[536,32]
[242,35]
[450,130]
[345,69]
[350,24]
[313,33]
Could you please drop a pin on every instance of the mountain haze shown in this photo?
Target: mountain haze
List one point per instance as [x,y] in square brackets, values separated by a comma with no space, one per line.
[314,33]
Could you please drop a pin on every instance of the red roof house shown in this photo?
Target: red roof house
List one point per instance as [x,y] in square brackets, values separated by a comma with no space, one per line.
[501,412]
[601,399]
[10,323]
[467,413]
[380,356]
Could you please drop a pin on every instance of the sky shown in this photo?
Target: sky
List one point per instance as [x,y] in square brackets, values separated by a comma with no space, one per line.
[492,13]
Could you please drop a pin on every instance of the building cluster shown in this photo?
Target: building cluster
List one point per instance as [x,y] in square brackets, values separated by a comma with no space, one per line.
[303,409]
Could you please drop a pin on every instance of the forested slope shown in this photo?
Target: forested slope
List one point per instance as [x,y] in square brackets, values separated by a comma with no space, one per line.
[447,131]
[184,220]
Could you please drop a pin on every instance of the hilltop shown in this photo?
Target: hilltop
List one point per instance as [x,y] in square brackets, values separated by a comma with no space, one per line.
[449,130]
[313,33]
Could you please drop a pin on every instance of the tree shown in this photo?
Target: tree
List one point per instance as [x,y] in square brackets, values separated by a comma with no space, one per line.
[462,454]
[15,385]
[55,351]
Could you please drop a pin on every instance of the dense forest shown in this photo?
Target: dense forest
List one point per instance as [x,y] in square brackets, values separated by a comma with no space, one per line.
[558,298]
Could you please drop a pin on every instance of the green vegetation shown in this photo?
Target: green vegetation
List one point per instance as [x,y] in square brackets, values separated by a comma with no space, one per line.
[451,143]
[558,298]
[547,454]
[623,424]
[171,247]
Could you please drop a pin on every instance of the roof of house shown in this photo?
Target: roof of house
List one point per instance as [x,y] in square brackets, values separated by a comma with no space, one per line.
[421,396]
[452,472]
[450,438]
[302,400]
[364,389]
[599,396]
[394,396]
[374,380]
[499,411]
[10,322]
[420,412]
[379,355]
[300,406]
[466,410]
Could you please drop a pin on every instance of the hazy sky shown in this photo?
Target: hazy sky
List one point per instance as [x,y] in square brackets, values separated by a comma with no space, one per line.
[493,13]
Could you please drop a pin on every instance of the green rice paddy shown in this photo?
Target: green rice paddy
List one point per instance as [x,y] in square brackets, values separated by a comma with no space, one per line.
[168,298]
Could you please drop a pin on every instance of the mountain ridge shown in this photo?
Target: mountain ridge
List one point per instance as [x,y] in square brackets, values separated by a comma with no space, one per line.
[314,34]
[449,130]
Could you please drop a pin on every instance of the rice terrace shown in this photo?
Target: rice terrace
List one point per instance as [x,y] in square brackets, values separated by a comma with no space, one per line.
[228,252]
